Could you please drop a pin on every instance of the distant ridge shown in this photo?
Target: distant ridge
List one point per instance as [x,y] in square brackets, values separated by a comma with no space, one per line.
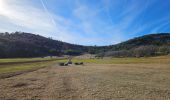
[158,39]
[21,44]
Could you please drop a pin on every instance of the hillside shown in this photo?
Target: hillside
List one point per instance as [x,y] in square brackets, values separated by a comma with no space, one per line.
[144,46]
[21,44]
[151,39]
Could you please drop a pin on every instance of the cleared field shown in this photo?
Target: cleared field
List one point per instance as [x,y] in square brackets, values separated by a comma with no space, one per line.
[126,60]
[26,60]
[107,79]
[22,60]
[12,67]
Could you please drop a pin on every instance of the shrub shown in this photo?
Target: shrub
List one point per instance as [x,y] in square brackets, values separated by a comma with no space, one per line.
[81,63]
[76,63]
[61,64]
[66,64]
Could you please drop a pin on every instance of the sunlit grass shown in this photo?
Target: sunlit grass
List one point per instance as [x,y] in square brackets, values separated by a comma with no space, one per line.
[45,62]
[125,60]
[26,66]
[25,59]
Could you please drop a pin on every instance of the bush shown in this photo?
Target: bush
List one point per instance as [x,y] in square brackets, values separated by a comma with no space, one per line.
[66,64]
[76,63]
[81,63]
[61,64]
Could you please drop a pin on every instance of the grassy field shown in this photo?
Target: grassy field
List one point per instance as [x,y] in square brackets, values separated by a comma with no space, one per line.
[20,64]
[22,60]
[125,60]
[97,79]
[22,67]
[26,60]
[23,64]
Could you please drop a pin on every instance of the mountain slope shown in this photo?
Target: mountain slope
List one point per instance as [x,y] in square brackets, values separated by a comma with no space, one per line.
[151,39]
[30,45]
[144,46]
[20,44]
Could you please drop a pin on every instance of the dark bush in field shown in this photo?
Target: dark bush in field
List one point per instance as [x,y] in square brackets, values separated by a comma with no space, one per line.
[66,64]
[61,64]
[76,63]
[81,63]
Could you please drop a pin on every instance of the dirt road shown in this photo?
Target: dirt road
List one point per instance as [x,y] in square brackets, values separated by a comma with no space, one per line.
[90,82]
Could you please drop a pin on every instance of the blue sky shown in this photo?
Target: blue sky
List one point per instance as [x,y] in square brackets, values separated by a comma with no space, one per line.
[86,22]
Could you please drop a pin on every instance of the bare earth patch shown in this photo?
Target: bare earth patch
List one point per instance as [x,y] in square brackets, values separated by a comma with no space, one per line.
[90,82]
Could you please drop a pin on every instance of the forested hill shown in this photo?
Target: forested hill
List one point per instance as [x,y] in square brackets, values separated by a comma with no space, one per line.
[151,39]
[21,44]
[144,46]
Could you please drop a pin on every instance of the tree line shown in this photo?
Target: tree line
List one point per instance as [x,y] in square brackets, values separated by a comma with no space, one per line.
[21,44]
[141,51]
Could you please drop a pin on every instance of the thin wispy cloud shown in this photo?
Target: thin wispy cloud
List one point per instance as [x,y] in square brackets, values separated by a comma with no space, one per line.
[23,15]
[101,22]
[43,2]
[32,19]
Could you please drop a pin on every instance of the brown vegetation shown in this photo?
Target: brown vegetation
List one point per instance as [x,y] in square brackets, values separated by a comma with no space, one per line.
[91,82]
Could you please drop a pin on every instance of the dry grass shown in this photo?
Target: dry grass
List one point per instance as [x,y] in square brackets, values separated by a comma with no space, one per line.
[23,60]
[17,65]
[91,82]
[151,60]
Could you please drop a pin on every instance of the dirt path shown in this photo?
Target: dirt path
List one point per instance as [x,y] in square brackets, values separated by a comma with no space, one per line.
[89,82]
